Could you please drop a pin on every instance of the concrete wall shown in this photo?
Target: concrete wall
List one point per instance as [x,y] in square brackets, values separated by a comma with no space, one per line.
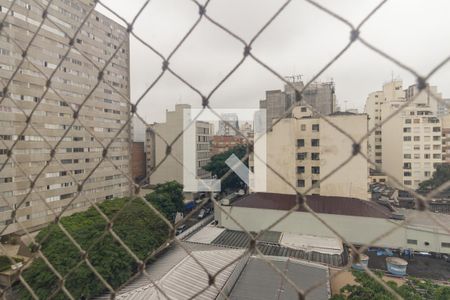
[351,180]
[356,230]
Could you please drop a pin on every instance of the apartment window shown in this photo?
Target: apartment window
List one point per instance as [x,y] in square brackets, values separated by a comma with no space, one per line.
[315,170]
[407,156]
[378,147]
[416,147]
[303,127]
[436,147]
[427,173]
[315,142]
[436,138]
[445,245]
[407,174]
[407,138]
[300,169]
[427,156]
[301,156]
[407,166]
[378,132]
[436,156]
[407,182]
[416,121]
[411,242]
[317,182]
[300,183]
[416,155]
[315,156]
[377,153]
[6,179]
[436,129]
[417,139]
[407,129]
[408,121]
[315,127]
[300,143]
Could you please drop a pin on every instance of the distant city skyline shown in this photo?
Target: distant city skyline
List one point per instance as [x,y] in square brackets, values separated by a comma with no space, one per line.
[300,41]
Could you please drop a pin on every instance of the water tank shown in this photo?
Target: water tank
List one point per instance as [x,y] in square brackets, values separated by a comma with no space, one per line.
[364,261]
[396,266]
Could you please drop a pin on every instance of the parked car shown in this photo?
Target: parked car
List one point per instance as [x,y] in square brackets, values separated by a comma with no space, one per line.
[180,229]
[202,214]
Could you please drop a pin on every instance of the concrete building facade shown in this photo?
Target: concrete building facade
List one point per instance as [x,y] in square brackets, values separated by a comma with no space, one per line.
[224,127]
[304,149]
[380,104]
[411,142]
[161,169]
[445,122]
[320,95]
[102,115]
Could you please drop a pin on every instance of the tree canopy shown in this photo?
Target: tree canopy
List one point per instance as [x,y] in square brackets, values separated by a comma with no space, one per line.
[440,176]
[167,198]
[134,222]
[218,167]
[413,289]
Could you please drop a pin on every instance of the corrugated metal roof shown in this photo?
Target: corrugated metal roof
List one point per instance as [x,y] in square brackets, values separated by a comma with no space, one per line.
[259,281]
[188,278]
[320,204]
[163,263]
[206,235]
[240,239]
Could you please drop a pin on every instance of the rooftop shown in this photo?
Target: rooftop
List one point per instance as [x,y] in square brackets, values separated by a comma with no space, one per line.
[259,281]
[322,250]
[320,204]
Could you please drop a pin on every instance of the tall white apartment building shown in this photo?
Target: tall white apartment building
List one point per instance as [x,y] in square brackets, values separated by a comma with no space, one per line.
[407,146]
[103,114]
[161,169]
[304,149]
[411,144]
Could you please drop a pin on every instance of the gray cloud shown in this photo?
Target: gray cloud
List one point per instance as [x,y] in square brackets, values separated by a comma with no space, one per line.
[300,41]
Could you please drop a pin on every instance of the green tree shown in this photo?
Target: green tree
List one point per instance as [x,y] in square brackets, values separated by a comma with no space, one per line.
[134,222]
[218,167]
[413,289]
[440,176]
[167,198]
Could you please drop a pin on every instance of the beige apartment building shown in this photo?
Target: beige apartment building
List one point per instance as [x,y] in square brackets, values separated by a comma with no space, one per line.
[390,97]
[445,121]
[104,113]
[304,149]
[408,146]
[161,170]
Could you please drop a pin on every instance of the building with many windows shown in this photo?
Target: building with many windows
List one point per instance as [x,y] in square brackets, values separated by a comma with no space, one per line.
[161,169]
[319,95]
[411,142]
[101,118]
[380,103]
[407,145]
[445,122]
[303,149]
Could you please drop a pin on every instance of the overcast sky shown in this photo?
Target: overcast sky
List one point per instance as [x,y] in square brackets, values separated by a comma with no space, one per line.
[300,41]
